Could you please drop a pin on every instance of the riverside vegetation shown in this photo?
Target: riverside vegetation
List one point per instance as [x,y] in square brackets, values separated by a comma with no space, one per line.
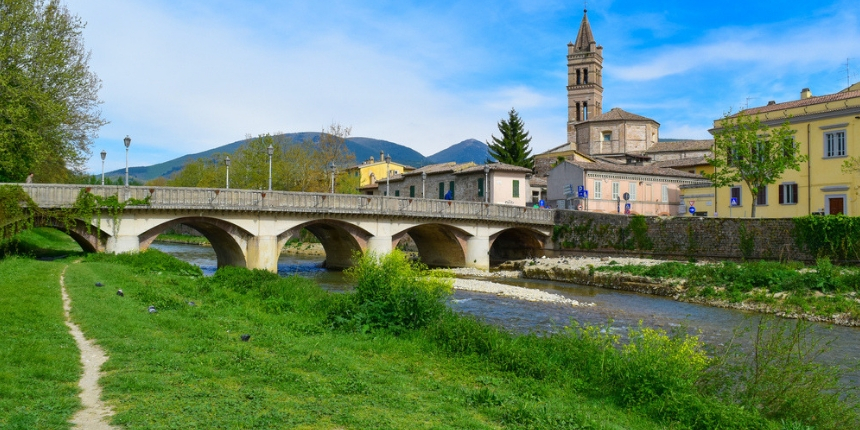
[389,355]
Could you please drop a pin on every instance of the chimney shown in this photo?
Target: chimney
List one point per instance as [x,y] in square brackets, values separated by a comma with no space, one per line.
[805,93]
[381,156]
[771,103]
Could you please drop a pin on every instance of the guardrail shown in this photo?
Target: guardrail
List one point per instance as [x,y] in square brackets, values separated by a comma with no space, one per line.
[60,195]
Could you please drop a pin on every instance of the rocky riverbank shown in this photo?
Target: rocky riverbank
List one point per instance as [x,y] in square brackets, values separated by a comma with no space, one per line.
[581,270]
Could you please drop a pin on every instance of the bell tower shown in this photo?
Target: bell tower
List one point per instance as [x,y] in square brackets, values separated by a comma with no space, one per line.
[584,78]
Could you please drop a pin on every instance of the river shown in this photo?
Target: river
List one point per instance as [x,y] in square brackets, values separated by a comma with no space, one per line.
[624,309]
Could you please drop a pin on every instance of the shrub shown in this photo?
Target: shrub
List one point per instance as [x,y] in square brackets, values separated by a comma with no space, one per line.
[782,377]
[391,293]
[150,260]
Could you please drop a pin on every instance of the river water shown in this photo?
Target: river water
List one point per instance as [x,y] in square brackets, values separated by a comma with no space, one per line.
[624,309]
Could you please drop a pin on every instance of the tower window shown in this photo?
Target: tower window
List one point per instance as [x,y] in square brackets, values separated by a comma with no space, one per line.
[607,136]
[578,112]
[585,76]
[585,111]
[578,77]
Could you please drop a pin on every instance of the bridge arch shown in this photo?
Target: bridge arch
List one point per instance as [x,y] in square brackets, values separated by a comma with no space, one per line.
[228,240]
[439,245]
[89,237]
[339,239]
[516,243]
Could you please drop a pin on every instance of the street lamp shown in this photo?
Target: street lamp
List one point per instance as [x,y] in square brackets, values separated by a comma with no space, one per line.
[332,168]
[486,183]
[104,154]
[388,175]
[423,180]
[227,162]
[271,150]
[127,142]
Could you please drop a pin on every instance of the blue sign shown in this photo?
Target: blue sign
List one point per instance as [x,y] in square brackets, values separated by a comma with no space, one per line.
[580,194]
[627,206]
[692,210]
[586,193]
[734,201]
[580,188]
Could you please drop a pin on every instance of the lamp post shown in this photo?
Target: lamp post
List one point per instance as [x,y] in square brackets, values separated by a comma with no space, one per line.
[104,154]
[486,183]
[227,162]
[270,150]
[388,175]
[332,168]
[423,180]
[127,142]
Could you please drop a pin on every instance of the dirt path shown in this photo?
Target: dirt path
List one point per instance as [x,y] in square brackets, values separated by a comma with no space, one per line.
[95,414]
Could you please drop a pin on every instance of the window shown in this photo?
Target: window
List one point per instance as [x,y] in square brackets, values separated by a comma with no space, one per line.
[788,194]
[578,77]
[412,191]
[834,144]
[616,190]
[761,198]
[451,189]
[441,190]
[584,76]
[607,136]
[736,195]
[516,188]
[632,191]
[480,187]
[396,193]
[665,193]
[598,190]
[585,111]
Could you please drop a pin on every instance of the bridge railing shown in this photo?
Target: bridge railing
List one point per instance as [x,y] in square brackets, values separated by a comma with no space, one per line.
[55,195]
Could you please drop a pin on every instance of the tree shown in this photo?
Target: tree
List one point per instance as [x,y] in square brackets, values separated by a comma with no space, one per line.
[332,146]
[745,150]
[513,146]
[49,106]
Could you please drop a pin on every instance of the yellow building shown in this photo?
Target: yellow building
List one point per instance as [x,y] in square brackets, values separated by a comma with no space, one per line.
[827,130]
[370,170]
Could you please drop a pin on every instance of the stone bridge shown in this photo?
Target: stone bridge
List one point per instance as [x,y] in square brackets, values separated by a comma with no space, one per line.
[248,228]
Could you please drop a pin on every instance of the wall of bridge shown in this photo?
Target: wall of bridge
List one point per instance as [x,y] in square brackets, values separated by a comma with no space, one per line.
[249,228]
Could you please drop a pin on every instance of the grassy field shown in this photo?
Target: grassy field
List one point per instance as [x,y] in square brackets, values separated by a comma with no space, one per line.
[384,357]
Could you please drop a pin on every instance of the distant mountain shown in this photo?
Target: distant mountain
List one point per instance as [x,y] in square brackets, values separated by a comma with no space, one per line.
[463,152]
[362,147]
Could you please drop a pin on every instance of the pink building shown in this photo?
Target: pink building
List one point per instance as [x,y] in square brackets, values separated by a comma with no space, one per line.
[618,188]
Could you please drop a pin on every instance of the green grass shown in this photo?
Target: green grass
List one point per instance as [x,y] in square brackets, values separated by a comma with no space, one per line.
[39,362]
[185,366]
[41,242]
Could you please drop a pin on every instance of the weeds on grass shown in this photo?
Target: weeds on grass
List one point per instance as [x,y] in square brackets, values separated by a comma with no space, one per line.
[151,260]
[781,377]
[391,293]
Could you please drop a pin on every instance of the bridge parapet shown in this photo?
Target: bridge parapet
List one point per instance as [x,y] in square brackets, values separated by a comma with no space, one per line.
[57,195]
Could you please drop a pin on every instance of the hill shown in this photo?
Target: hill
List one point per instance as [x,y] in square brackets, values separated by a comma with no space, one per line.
[362,147]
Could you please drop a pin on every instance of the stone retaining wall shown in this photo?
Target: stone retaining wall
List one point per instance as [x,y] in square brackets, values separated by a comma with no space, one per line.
[682,238]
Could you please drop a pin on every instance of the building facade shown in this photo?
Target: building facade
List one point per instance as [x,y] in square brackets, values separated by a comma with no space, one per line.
[827,131]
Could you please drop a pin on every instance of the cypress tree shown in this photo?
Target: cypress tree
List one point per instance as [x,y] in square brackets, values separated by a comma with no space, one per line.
[513,146]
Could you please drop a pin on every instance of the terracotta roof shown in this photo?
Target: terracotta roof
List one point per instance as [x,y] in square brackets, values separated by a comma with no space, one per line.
[502,167]
[682,162]
[640,170]
[537,181]
[433,168]
[617,114]
[683,145]
[803,102]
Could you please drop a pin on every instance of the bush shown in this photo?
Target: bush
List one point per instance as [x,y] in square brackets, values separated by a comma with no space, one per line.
[150,260]
[391,293]
[782,377]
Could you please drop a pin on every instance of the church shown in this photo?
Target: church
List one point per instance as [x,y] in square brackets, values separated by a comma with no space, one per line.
[616,136]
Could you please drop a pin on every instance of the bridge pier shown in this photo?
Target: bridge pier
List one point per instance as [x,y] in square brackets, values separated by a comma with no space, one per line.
[478,252]
[263,253]
[379,244]
[123,244]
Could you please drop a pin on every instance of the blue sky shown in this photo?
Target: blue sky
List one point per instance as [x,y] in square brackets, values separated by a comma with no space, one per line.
[184,76]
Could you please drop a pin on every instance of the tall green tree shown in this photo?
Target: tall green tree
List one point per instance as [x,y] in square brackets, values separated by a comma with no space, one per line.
[513,146]
[49,105]
[745,150]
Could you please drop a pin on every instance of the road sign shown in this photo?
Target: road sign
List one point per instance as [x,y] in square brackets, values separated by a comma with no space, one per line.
[692,210]
[627,208]
[586,193]
[626,196]
[568,189]
[580,188]
[580,193]
[734,201]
